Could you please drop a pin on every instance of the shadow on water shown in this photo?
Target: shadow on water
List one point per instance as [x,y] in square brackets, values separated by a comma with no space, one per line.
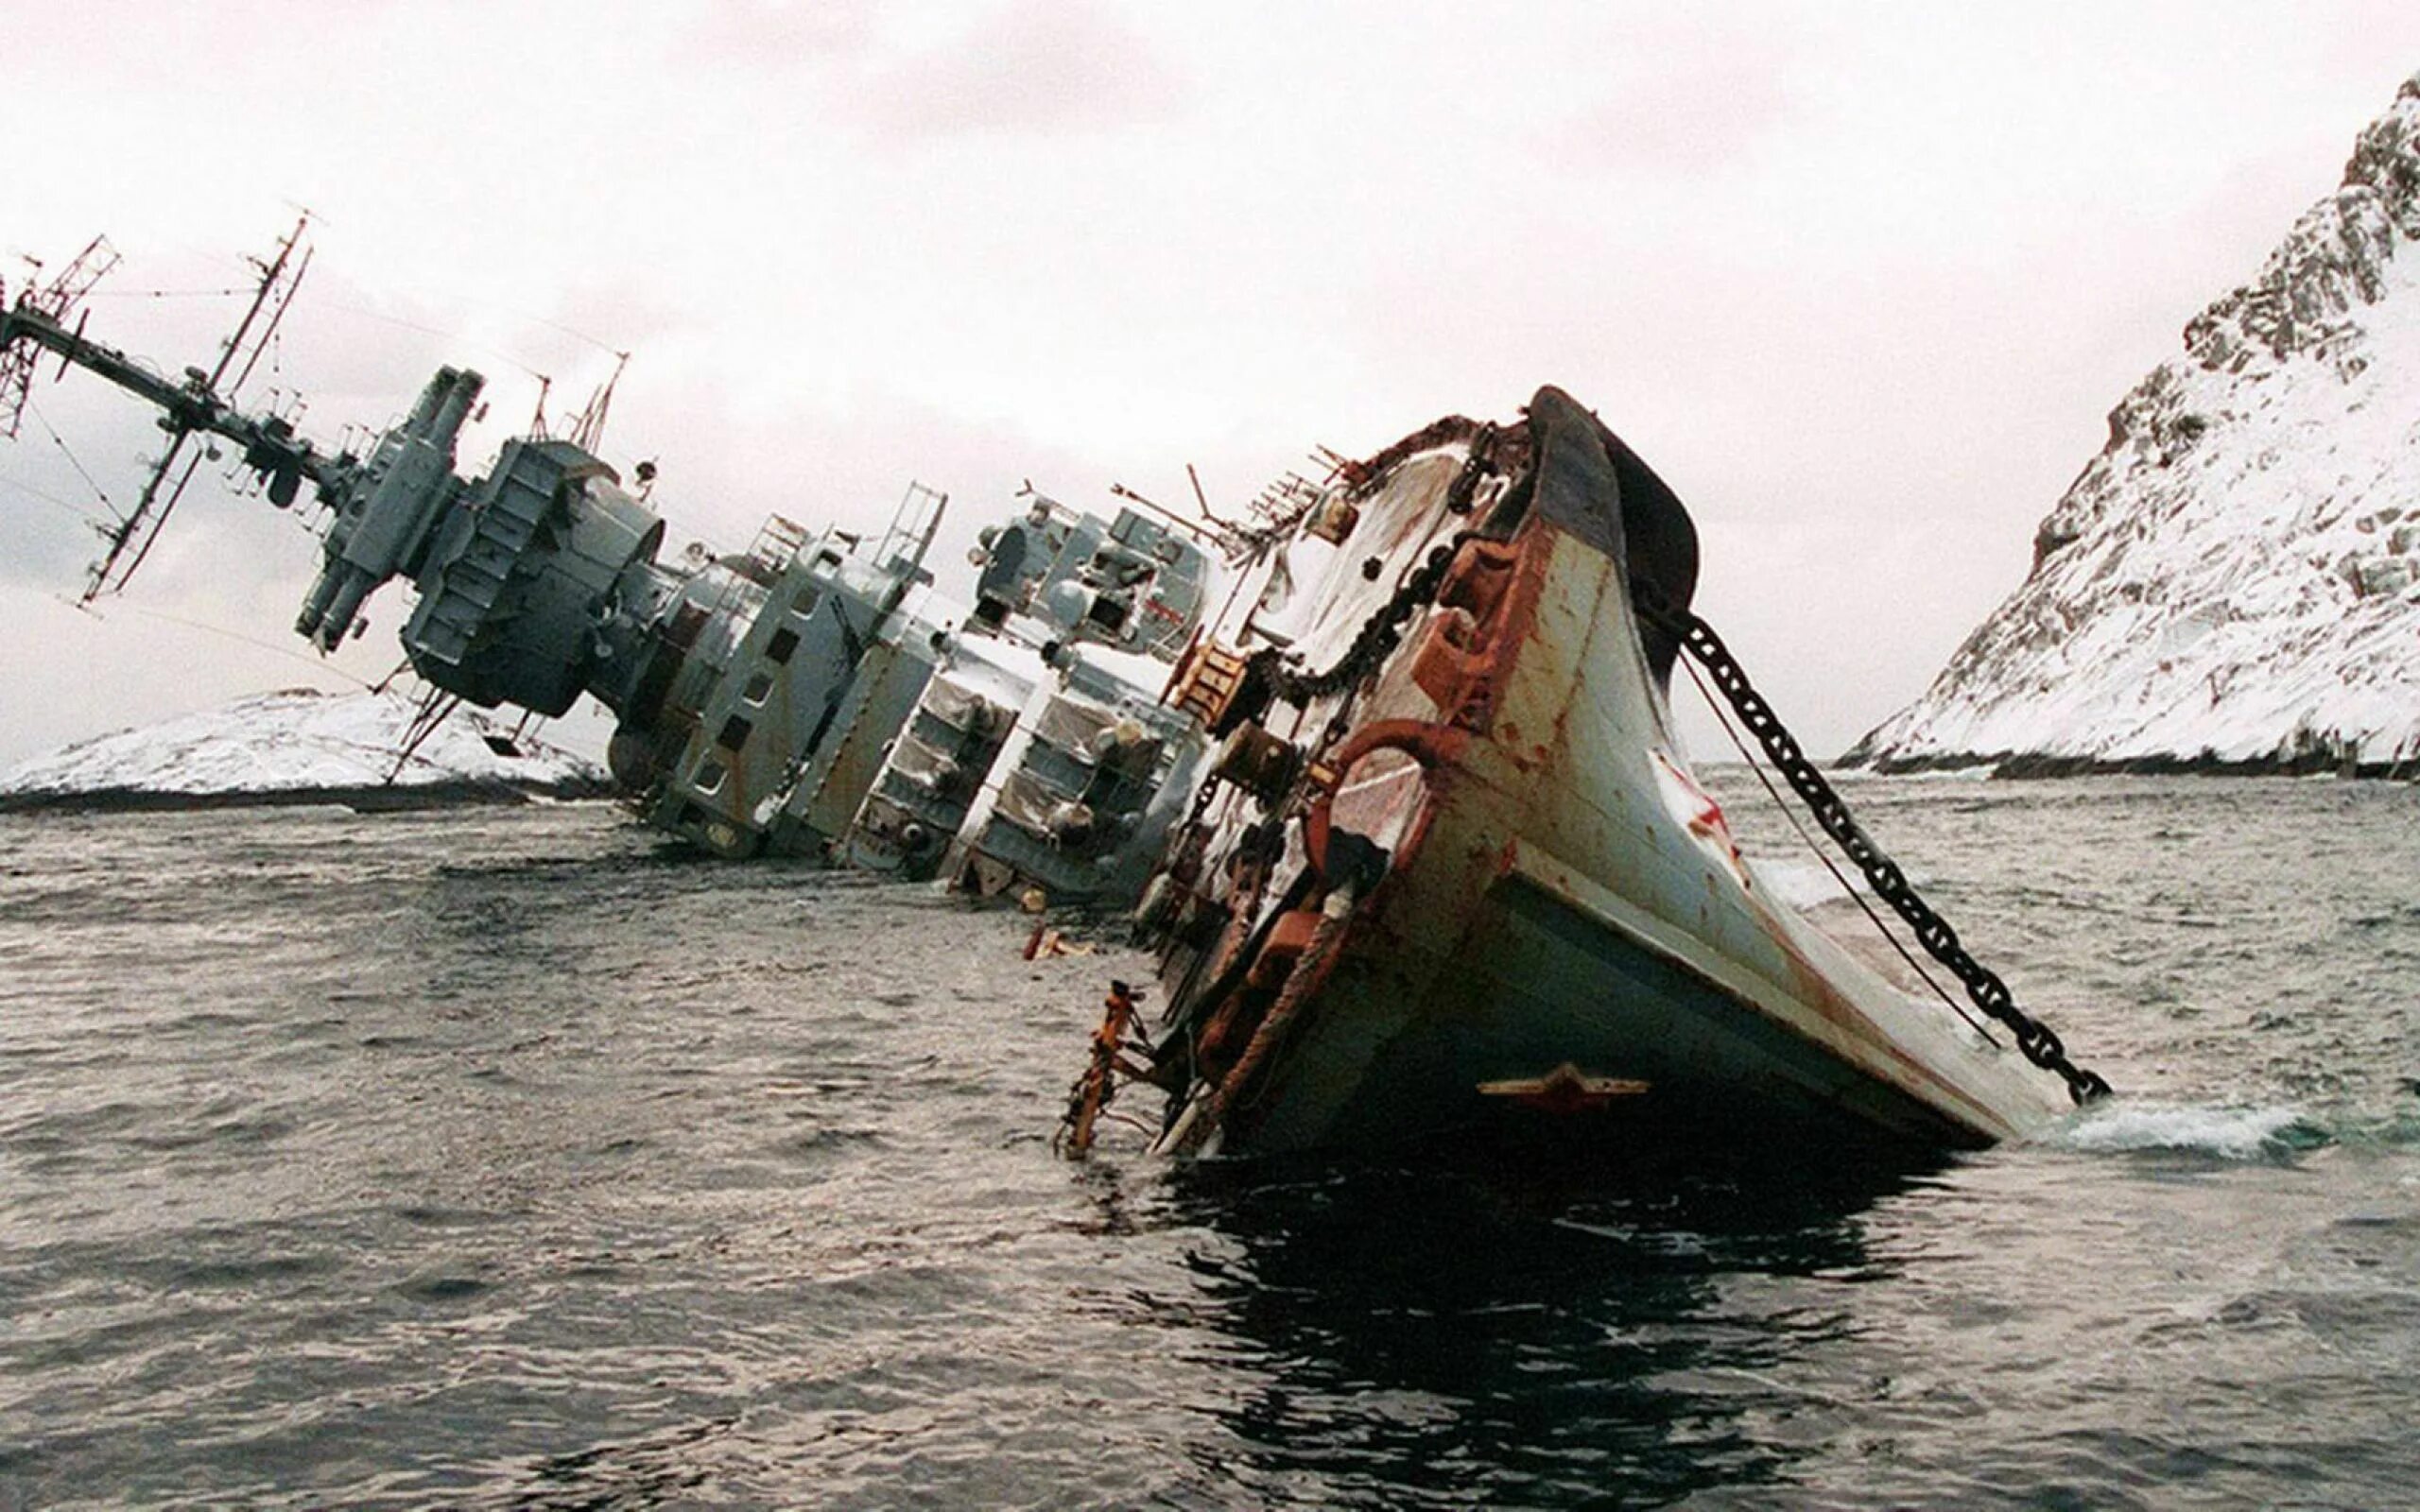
[1552,1330]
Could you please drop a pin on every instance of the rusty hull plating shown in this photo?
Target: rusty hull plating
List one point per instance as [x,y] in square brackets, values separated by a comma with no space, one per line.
[1481,861]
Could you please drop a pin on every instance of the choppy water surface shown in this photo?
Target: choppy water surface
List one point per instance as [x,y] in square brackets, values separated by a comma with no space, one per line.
[503,1159]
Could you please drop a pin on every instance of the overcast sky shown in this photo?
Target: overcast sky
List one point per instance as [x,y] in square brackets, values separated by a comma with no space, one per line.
[1861,281]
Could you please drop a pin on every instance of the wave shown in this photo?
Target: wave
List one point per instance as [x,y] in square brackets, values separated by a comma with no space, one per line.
[1798,882]
[2230,1133]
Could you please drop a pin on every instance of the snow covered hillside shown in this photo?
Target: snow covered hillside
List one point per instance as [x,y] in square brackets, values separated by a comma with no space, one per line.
[2235,580]
[297,745]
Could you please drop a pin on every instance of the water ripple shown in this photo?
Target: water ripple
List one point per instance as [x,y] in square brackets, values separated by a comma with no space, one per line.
[510,1160]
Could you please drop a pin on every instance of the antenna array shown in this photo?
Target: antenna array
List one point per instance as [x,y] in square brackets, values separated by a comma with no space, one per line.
[130,540]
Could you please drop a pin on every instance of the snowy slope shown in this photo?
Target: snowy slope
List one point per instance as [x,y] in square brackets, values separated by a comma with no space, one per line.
[295,743]
[2236,578]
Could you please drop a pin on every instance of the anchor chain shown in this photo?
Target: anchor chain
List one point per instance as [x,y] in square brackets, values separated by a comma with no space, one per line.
[1266,675]
[2039,1041]
[1372,643]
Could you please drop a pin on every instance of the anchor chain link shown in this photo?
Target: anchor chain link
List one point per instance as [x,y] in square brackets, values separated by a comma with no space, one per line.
[1382,632]
[1372,643]
[2038,1041]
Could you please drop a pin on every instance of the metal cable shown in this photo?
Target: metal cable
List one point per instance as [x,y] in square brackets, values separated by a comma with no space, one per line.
[1724,719]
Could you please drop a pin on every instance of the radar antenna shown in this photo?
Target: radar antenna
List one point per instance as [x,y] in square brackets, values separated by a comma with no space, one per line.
[130,540]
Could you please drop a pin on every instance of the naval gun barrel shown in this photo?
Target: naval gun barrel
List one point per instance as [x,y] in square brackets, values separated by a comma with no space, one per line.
[377,532]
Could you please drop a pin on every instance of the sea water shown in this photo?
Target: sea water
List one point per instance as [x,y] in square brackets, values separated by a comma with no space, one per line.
[506,1159]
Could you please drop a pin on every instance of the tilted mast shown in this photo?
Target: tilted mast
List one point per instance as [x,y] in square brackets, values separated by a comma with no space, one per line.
[190,406]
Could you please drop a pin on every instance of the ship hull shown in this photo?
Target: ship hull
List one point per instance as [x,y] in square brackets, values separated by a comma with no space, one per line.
[1546,977]
[1562,931]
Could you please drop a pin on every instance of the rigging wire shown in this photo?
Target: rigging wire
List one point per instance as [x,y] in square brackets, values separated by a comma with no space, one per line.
[102,494]
[455,334]
[455,337]
[79,511]
[1724,719]
[287,651]
[164,294]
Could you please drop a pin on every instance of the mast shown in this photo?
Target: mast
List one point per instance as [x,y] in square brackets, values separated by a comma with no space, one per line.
[280,276]
[196,405]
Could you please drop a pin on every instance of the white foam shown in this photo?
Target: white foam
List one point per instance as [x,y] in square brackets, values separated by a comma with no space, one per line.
[1797,882]
[2125,1124]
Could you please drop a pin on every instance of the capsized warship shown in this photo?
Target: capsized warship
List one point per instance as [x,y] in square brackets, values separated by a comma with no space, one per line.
[753,693]
[1451,869]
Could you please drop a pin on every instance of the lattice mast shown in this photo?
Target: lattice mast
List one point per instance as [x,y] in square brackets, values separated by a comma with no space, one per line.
[130,541]
[199,402]
[49,302]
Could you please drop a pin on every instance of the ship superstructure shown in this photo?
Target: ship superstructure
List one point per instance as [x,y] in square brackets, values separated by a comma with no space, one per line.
[753,693]
[808,696]
[1042,755]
